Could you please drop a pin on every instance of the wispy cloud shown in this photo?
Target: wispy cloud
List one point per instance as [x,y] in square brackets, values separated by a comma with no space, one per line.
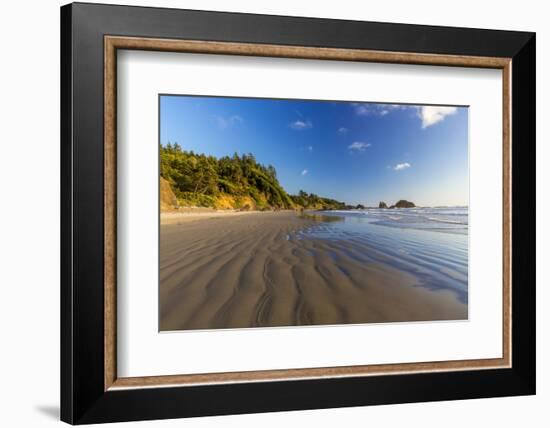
[304,172]
[342,130]
[309,148]
[431,115]
[401,166]
[227,121]
[371,109]
[301,124]
[359,146]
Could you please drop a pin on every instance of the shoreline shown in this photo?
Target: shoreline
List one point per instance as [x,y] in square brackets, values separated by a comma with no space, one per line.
[239,269]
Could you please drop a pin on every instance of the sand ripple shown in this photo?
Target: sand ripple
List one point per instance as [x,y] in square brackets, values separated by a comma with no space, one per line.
[244,271]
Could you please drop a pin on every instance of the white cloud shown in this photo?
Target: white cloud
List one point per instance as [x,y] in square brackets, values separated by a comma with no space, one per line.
[224,122]
[400,106]
[342,130]
[300,124]
[431,115]
[363,109]
[304,172]
[401,166]
[359,146]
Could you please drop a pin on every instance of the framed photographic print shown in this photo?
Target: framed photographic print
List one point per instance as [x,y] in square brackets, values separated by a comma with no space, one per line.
[265,213]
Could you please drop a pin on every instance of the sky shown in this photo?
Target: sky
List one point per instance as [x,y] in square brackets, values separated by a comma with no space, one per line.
[358,153]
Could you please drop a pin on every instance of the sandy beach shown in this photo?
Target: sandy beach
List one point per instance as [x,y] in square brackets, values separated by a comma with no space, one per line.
[187,215]
[246,269]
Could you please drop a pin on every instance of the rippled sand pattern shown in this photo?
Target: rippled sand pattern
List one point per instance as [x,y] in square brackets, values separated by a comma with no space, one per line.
[250,271]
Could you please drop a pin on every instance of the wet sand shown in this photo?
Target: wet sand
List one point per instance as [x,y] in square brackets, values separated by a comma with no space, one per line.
[237,271]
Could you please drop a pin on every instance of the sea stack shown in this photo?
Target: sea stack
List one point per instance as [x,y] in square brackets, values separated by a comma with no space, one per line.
[402,203]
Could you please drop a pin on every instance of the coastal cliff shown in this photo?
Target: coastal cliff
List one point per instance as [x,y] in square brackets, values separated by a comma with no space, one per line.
[236,182]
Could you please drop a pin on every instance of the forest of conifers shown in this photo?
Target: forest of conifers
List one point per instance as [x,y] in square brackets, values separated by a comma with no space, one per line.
[236,182]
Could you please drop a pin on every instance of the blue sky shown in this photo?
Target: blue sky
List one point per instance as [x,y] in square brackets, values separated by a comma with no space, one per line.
[353,152]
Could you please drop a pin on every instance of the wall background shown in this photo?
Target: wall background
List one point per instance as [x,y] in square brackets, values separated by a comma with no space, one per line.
[29,213]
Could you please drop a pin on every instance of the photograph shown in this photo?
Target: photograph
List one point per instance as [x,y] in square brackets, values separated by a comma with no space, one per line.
[262,211]
[284,212]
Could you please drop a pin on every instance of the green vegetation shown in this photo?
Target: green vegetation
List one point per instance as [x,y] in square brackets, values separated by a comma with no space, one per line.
[237,182]
[312,201]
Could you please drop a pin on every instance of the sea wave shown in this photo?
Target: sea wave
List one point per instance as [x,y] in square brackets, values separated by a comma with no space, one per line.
[441,220]
[445,219]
